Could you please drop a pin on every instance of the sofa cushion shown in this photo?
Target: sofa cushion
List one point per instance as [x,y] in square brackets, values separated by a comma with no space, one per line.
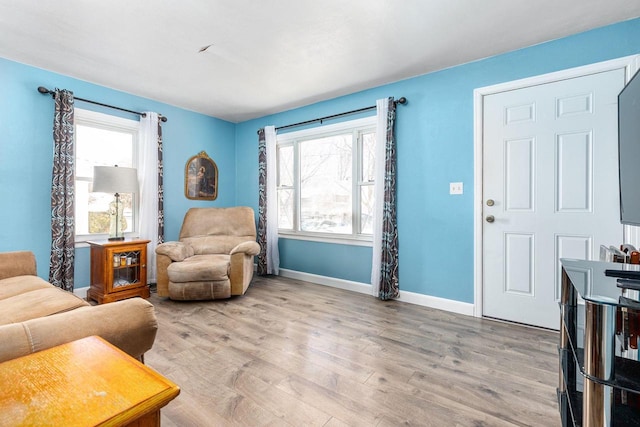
[17,263]
[17,285]
[37,303]
[199,268]
[129,324]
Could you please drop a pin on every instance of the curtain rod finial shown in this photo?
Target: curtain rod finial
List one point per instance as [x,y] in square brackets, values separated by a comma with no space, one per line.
[402,100]
[43,90]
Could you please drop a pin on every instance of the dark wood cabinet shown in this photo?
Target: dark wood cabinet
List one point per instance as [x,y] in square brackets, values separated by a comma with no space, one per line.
[118,270]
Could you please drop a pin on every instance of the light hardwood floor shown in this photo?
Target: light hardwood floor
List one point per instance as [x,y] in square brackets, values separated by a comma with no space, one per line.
[290,353]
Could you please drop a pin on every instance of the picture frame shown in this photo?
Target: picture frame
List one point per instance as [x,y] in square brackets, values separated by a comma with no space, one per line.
[201,178]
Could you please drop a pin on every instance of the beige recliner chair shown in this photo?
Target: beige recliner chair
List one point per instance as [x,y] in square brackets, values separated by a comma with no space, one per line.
[214,257]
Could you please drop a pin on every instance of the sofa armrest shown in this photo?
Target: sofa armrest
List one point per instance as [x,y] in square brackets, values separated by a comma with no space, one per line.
[248,248]
[162,276]
[21,263]
[130,325]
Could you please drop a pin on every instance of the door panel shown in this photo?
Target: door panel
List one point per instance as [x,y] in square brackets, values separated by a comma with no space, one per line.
[550,166]
[519,256]
[575,175]
[519,175]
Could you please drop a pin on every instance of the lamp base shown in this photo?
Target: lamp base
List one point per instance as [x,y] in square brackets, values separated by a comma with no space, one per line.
[115,232]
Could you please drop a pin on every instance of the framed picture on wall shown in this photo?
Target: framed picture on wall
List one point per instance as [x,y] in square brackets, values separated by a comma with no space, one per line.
[201,178]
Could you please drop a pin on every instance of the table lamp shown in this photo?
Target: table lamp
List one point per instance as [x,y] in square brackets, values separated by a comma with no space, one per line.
[114,179]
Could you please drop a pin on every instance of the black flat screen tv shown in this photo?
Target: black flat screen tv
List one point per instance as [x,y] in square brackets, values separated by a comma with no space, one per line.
[629,151]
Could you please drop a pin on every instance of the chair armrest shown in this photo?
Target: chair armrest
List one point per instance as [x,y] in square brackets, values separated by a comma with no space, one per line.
[177,251]
[21,263]
[130,325]
[248,248]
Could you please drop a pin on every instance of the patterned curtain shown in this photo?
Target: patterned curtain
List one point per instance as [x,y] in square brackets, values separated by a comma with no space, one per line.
[63,193]
[150,177]
[269,257]
[160,187]
[262,203]
[385,251]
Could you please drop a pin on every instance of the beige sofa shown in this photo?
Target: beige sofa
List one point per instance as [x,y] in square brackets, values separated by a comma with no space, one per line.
[213,258]
[35,315]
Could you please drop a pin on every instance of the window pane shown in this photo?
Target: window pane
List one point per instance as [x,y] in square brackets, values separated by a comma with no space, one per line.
[93,210]
[326,184]
[285,166]
[366,209]
[285,209]
[97,146]
[101,147]
[368,156]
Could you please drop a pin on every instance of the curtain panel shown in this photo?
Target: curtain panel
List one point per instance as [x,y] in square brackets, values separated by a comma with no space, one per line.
[61,262]
[269,257]
[150,177]
[384,273]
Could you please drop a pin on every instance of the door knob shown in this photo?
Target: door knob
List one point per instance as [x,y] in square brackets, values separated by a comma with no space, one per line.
[490,218]
[490,202]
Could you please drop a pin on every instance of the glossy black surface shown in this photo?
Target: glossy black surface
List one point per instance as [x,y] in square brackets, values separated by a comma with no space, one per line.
[587,279]
[591,283]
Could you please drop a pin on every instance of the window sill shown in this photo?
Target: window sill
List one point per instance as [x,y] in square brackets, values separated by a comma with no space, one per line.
[81,240]
[328,238]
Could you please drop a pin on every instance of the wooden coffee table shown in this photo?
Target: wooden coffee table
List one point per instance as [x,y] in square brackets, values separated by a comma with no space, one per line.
[87,382]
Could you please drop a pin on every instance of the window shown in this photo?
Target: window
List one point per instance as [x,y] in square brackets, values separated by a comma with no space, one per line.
[325,181]
[102,140]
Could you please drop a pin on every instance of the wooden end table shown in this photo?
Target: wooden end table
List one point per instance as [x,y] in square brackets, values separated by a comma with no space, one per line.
[118,270]
[87,382]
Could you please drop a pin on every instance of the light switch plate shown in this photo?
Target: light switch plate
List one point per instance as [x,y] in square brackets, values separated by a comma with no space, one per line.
[455,188]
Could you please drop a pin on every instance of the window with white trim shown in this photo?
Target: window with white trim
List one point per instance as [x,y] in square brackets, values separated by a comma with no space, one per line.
[102,140]
[325,181]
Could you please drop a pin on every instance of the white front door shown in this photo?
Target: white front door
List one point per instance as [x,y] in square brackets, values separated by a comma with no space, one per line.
[550,190]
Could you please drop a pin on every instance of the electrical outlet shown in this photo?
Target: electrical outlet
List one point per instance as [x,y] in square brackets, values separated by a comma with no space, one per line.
[455,188]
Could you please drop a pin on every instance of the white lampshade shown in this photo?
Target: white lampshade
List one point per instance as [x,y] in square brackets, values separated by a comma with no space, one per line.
[114,179]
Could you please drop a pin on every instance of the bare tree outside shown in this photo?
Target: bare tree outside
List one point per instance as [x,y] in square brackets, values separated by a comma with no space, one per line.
[367,198]
[97,146]
[285,187]
[326,184]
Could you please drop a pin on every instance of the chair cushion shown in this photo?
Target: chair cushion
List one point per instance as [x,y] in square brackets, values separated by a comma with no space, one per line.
[199,291]
[203,245]
[233,221]
[199,268]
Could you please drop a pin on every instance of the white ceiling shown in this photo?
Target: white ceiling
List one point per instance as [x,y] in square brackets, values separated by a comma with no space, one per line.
[268,56]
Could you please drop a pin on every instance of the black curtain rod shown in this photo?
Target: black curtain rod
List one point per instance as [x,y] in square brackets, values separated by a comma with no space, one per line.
[43,90]
[402,101]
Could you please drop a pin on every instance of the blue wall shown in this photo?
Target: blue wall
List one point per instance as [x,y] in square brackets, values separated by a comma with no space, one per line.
[435,146]
[26,156]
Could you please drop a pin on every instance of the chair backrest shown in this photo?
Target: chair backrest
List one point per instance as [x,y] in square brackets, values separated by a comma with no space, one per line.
[218,230]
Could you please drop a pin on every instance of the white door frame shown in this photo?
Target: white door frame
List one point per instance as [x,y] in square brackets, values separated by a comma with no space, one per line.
[631,234]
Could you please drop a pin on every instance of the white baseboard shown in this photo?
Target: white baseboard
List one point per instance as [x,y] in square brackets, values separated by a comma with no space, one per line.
[438,303]
[365,288]
[81,292]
